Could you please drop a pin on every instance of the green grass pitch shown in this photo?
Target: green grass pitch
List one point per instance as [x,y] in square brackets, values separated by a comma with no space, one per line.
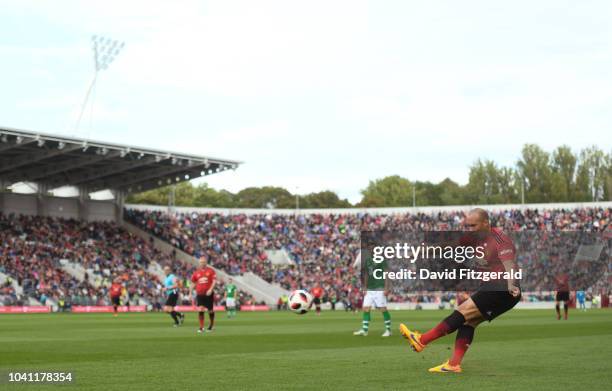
[521,350]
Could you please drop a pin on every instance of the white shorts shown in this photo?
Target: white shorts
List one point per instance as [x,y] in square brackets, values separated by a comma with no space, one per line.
[230,302]
[375,299]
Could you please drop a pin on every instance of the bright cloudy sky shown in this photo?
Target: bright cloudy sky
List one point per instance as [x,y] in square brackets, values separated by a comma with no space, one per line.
[313,94]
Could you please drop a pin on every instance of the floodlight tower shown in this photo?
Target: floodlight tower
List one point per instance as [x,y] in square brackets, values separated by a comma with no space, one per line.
[105,50]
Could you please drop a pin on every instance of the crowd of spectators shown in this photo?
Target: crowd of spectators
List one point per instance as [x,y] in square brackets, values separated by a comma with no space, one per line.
[323,248]
[37,252]
[9,295]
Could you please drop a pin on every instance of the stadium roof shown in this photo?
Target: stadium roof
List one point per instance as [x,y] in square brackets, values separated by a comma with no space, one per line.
[57,161]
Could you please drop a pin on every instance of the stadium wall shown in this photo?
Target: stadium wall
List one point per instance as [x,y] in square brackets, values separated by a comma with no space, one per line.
[65,207]
[374,211]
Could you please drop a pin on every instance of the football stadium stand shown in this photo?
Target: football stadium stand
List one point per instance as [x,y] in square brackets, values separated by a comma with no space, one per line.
[323,246]
[65,250]
[55,260]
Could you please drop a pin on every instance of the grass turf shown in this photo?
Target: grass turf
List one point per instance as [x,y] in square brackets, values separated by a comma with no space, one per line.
[526,349]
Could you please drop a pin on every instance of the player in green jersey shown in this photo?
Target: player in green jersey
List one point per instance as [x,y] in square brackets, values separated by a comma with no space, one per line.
[376,292]
[231,292]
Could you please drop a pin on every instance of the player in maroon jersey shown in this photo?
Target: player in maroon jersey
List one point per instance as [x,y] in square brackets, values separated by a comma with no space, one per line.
[317,293]
[204,279]
[563,294]
[492,299]
[115,294]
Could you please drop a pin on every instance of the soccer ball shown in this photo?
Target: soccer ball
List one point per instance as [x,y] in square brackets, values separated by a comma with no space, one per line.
[300,301]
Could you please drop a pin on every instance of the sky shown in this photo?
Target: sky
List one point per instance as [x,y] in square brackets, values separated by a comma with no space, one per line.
[317,95]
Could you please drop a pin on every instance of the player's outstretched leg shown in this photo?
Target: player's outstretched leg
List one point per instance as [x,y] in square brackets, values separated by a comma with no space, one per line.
[365,323]
[448,325]
[558,309]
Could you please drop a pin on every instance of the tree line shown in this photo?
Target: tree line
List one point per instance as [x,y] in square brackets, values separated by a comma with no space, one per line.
[537,177]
